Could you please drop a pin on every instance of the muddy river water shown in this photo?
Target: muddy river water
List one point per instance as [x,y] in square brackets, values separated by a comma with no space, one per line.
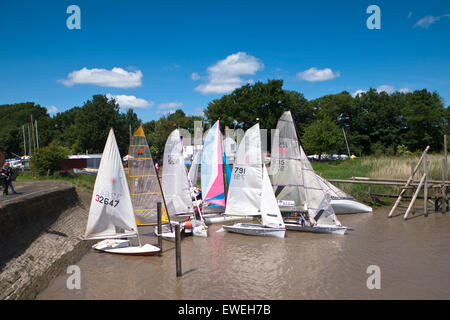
[413,257]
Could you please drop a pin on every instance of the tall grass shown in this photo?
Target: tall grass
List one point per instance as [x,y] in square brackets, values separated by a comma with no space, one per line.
[400,167]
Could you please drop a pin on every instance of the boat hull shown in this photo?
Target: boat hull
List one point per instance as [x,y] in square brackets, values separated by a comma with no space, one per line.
[255,230]
[124,247]
[218,218]
[349,206]
[315,229]
[170,235]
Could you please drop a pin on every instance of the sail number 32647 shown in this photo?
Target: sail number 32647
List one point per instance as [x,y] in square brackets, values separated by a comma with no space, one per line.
[106,201]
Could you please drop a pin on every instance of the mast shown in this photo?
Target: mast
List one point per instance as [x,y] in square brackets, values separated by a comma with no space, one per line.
[24,141]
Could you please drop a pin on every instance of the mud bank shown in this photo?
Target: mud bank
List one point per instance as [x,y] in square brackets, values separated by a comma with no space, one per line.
[40,236]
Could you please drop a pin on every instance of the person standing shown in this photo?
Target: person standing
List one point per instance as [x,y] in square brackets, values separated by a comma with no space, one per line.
[9,178]
[3,179]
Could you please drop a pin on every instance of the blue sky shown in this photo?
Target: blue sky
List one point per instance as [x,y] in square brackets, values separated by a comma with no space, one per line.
[161,55]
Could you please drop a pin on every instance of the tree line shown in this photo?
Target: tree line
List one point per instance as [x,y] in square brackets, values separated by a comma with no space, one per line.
[374,122]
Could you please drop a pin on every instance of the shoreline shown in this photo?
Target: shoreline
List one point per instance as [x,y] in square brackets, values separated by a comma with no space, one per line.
[41,230]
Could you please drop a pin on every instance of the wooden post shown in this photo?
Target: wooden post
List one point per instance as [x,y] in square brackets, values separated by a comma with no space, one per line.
[414,197]
[445,168]
[158,209]
[178,249]
[444,207]
[425,187]
[411,178]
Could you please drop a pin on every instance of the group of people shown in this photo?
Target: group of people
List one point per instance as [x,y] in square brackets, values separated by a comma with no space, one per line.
[303,220]
[6,176]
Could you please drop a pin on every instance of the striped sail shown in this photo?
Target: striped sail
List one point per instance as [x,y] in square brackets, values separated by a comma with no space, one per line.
[212,178]
[144,184]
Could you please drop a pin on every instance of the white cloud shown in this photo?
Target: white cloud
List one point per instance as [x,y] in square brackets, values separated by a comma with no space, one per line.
[225,75]
[170,105]
[130,101]
[384,88]
[358,92]
[195,76]
[52,109]
[313,74]
[116,78]
[410,14]
[427,21]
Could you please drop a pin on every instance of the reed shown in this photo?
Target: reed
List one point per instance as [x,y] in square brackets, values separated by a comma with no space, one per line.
[400,167]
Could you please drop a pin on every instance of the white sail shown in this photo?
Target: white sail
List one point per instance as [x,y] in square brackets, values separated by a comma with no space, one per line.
[293,172]
[245,192]
[193,170]
[270,212]
[175,183]
[286,167]
[111,211]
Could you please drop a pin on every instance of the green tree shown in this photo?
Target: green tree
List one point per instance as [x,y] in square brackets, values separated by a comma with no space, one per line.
[47,160]
[323,136]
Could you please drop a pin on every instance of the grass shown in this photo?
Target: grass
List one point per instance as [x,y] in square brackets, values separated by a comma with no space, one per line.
[82,181]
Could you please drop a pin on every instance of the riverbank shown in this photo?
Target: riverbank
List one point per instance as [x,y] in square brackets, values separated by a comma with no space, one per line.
[40,232]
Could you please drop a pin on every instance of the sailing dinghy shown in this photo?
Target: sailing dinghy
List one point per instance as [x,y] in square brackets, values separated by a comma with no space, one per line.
[177,188]
[111,215]
[298,189]
[145,186]
[251,193]
[213,179]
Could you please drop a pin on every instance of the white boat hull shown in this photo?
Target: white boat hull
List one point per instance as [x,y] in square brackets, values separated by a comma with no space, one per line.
[255,230]
[199,231]
[120,246]
[348,206]
[170,235]
[316,229]
[218,218]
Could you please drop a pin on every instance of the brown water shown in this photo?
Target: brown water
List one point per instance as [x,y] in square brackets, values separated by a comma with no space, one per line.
[413,256]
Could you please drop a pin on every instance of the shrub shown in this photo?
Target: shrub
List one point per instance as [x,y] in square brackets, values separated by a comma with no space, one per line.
[47,160]
[402,150]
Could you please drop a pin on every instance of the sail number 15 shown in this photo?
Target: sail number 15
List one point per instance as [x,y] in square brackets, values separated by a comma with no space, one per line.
[106,201]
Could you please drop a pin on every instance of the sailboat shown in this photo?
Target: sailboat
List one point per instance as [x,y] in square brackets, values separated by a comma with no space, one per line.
[111,214]
[299,191]
[177,187]
[251,193]
[213,179]
[341,202]
[145,186]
